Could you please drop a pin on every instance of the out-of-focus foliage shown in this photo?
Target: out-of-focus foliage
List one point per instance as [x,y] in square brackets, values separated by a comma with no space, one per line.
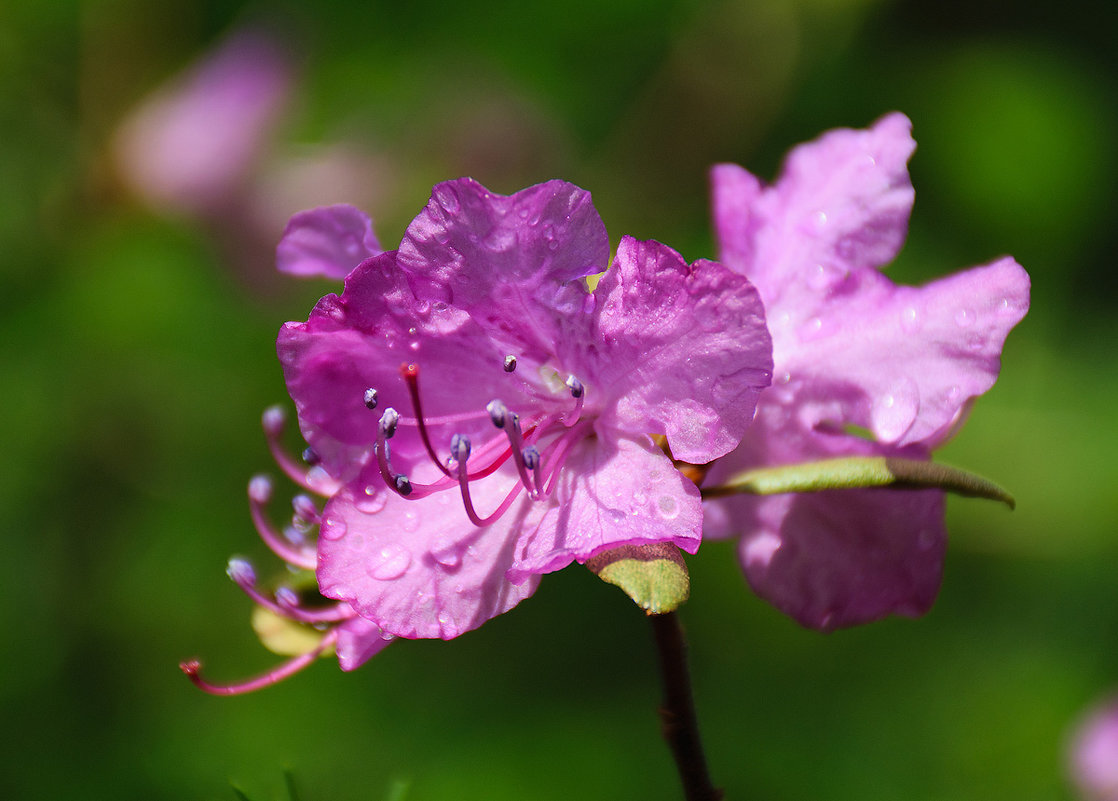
[136,352]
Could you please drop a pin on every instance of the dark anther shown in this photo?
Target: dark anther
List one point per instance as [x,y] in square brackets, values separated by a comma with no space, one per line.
[370,398]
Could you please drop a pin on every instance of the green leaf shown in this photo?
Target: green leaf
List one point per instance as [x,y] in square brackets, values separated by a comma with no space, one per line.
[855,472]
[654,576]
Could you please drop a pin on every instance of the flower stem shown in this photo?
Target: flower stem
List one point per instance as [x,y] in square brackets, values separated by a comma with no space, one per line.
[678,722]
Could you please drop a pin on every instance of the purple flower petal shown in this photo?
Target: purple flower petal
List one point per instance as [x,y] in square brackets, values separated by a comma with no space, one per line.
[903,362]
[851,348]
[359,341]
[359,640]
[508,260]
[420,568]
[835,558]
[680,350]
[326,242]
[627,492]
[842,203]
[190,145]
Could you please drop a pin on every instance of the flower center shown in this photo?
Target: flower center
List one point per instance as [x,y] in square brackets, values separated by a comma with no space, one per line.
[537,449]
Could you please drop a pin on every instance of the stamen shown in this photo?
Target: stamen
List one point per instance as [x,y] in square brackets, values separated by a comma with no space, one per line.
[467,502]
[460,448]
[510,363]
[388,422]
[560,449]
[314,480]
[259,494]
[531,456]
[578,392]
[370,398]
[310,456]
[410,373]
[403,485]
[287,604]
[498,412]
[192,667]
[240,570]
[516,444]
[305,509]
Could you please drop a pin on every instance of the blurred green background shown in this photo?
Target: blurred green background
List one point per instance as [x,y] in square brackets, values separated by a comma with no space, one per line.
[137,351]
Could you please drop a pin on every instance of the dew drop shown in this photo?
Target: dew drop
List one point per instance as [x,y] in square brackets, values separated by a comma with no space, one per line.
[894,412]
[371,501]
[910,319]
[819,218]
[411,521]
[964,318]
[667,506]
[814,329]
[1004,307]
[823,276]
[332,528]
[390,562]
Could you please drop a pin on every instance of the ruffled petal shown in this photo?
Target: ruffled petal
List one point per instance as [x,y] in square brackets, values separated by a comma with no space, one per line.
[679,350]
[612,492]
[359,640]
[326,242]
[360,340]
[512,262]
[835,558]
[420,568]
[904,362]
[841,204]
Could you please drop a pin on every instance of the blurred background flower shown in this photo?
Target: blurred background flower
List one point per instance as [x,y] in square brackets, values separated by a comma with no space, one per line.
[137,351]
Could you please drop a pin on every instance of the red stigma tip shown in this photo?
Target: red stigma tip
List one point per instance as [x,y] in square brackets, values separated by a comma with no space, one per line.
[409,370]
[190,667]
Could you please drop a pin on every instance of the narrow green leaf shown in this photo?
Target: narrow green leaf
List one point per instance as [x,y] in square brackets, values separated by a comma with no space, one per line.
[860,471]
[654,576]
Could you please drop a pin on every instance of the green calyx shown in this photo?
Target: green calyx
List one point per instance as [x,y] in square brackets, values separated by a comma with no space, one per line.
[654,576]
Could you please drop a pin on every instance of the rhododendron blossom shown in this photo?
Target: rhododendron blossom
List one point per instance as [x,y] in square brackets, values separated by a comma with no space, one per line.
[488,418]
[852,351]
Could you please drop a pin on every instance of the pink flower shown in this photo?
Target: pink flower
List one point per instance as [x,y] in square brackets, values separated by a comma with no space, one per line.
[851,349]
[1094,753]
[488,418]
[192,144]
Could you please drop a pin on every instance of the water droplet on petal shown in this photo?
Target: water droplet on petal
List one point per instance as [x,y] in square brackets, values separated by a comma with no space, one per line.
[667,506]
[894,412]
[823,276]
[910,319]
[819,218]
[411,521]
[390,562]
[815,328]
[333,528]
[372,500]
[1005,307]
[964,318]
